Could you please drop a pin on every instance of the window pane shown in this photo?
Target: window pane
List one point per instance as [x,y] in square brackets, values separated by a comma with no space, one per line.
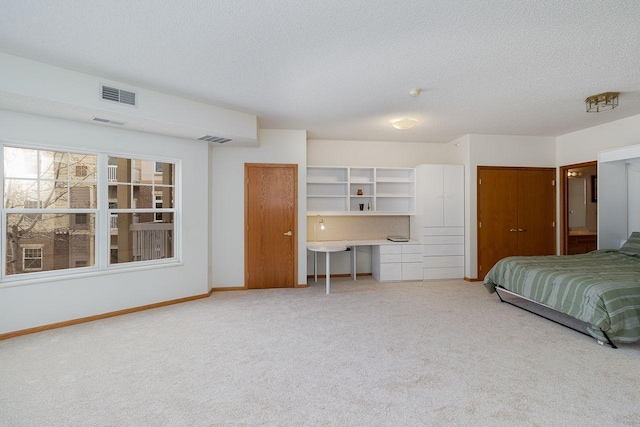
[17,193]
[143,196]
[61,244]
[123,170]
[53,165]
[164,174]
[20,163]
[121,196]
[165,195]
[138,238]
[147,171]
[83,167]
[83,196]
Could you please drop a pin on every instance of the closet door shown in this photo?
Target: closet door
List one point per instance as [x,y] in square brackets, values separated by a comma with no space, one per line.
[497,216]
[536,212]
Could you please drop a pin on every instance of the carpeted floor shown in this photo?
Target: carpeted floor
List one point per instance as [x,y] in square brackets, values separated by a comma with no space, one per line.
[427,353]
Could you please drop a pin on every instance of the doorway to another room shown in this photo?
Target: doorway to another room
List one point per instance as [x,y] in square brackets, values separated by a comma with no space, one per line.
[579,201]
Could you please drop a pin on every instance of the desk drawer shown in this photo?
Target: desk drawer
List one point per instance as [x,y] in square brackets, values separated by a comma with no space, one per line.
[390,272]
[390,249]
[443,261]
[411,249]
[412,257]
[386,258]
[436,250]
[443,231]
[443,273]
[443,240]
[412,271]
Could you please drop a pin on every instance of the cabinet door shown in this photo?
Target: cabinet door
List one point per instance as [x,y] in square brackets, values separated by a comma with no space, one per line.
[497,216]
[432,195]
[536,212]
[453,186]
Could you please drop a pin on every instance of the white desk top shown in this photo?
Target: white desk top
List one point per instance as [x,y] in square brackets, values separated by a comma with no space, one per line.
[342,245]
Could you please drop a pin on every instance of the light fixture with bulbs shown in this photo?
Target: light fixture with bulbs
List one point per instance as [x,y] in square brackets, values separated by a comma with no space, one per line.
[321,222]
[404,123]
[602,102]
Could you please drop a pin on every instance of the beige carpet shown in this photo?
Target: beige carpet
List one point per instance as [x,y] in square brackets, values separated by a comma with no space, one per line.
[440,353]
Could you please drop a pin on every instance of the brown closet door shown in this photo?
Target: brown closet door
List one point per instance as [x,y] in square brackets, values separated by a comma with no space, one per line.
[536,212]
[497,216]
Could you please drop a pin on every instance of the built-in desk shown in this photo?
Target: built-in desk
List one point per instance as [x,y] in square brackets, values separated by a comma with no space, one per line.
[330,246]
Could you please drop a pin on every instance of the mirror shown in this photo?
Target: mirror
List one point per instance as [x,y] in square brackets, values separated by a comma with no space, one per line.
[577,202]
[582,204]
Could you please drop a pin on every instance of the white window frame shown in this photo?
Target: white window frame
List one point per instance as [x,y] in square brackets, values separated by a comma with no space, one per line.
[102,219]
[176,210]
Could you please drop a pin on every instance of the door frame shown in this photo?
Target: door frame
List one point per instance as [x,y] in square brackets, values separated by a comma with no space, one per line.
[293,166]
[564,202]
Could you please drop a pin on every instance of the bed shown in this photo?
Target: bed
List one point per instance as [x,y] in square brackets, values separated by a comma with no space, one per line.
[600,288]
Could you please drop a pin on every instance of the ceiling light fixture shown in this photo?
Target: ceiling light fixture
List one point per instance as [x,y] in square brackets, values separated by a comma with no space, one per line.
[404,123]
[602,102]
[415,92]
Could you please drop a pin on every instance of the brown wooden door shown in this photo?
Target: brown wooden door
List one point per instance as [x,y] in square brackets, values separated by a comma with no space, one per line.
[516,214]
[497,216]
[536,212]
[271,196]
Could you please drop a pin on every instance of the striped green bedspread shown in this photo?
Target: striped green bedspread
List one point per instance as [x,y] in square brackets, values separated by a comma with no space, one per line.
[601,288]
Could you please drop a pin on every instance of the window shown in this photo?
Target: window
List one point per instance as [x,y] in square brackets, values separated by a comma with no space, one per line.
[142,210]
[31,259]
[41,208]
[158,206]
[82,219]
[50,211]
[82,170]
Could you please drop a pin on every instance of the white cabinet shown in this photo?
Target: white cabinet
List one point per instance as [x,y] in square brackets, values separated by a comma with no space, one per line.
[335,190]
[396,262]
[439,220]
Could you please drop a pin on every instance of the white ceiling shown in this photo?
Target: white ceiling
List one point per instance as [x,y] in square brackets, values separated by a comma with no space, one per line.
[343,68]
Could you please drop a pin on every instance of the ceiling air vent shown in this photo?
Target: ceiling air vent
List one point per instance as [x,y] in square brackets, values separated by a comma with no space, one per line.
[217,139]
[119,95]
[111,122]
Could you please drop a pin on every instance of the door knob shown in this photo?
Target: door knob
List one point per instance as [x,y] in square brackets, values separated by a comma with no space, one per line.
[522,229]
[288,233]
[512,230]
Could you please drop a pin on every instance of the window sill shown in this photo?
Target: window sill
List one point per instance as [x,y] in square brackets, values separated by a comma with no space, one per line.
[10,282]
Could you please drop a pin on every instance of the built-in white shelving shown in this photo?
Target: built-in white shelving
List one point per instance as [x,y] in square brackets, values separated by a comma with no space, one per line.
[335,190]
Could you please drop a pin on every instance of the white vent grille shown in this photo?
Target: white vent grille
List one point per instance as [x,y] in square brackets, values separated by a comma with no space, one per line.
[111,122]
[217,139]
[110,93]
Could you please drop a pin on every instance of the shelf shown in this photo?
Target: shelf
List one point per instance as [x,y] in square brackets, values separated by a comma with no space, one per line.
[333,190]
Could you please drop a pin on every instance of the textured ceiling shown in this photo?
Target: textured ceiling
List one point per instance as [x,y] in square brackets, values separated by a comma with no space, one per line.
[343,69]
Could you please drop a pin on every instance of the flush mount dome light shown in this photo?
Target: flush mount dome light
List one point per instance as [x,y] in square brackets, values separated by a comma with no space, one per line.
[404,123]
[602,102]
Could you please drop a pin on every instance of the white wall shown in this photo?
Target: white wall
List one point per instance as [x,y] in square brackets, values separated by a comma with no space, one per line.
[584,145]
[44,302]
[51,91]
[227,163]
[374,153]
